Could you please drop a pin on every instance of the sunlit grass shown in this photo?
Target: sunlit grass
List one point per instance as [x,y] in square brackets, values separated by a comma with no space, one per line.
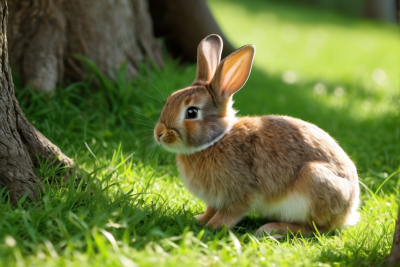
[120,220]
[129,207]
[315,44]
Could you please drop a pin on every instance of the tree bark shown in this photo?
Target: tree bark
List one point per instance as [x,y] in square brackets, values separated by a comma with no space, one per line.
[17,134]
[394,257]
[386,10]
[45,36]
[184,24]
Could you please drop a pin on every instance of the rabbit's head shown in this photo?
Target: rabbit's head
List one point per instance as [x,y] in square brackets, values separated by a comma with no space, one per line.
[199,115]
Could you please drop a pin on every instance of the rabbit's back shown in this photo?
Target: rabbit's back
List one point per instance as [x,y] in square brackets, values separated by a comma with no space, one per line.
[276,147]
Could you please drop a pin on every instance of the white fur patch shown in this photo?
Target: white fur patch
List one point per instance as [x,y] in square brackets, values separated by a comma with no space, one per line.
[186,150]
[353,219]
[294,208]
[191,150]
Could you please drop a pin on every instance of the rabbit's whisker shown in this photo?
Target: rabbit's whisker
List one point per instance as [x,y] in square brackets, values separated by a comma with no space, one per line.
[142,115]
[141,120]
[146,131]
[153,97]
[137,148]
[150,151]
[147,139]
[156,151]
[159,91]
[151,130]
[145,134]
[143,124]
[166,88]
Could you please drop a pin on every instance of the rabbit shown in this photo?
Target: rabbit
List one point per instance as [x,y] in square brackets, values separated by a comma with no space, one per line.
[280,167]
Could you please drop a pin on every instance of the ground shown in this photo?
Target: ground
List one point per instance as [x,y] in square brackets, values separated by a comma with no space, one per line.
[130,207]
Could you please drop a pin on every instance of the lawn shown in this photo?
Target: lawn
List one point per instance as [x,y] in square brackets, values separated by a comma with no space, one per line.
[129,206]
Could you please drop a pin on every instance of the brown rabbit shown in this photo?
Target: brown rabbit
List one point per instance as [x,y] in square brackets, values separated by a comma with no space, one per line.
[281,167]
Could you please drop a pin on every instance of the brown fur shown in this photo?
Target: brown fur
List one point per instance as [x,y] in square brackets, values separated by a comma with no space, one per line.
[275,156]
[280,166]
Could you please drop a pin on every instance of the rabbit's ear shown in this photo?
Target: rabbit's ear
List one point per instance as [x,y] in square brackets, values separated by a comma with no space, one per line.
[233,72]
[208,57]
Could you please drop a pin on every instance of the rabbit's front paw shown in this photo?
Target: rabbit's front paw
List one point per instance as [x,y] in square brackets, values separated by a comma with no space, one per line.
[200,219]
[228,218]
[204,218]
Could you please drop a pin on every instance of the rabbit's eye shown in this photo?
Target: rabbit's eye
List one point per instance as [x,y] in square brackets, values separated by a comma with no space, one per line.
[191,113]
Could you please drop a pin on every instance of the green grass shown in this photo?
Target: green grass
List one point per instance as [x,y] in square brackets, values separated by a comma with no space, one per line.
[131,208]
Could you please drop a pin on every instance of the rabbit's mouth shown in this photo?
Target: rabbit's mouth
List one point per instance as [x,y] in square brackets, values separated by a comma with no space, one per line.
[164,135]
[171,140]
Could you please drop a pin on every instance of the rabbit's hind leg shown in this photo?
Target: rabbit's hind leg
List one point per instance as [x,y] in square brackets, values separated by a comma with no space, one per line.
[332,199]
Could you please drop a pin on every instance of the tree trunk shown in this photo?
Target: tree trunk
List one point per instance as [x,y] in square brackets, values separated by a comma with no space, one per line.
[183,24]
[394,257]
[45,35]
[386,10]
[17,134]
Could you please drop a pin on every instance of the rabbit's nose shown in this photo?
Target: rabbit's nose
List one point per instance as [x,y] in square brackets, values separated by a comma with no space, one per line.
[159,130]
